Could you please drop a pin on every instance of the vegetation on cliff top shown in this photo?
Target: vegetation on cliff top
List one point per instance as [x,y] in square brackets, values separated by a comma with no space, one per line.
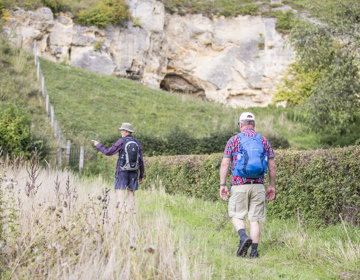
[103,13]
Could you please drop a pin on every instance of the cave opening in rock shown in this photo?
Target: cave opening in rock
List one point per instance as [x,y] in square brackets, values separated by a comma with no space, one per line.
[69,53]
[177,83]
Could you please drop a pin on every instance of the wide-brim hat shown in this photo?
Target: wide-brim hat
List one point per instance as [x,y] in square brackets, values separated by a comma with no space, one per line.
[127,127]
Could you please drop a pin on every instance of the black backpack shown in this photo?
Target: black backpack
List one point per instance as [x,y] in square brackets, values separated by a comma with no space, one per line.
[129,160]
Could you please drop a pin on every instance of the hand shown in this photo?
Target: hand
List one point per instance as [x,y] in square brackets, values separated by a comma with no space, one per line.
[95,142]
[270,193]
[224,192]
[141,180]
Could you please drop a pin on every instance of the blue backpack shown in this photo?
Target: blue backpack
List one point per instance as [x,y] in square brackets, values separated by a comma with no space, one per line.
[251,159]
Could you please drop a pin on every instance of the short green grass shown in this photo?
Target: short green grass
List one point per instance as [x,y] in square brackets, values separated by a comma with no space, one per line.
[92,106]
[288,249]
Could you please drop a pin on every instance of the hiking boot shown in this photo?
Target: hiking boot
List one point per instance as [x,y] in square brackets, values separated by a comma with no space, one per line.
[243,247]
[254,254]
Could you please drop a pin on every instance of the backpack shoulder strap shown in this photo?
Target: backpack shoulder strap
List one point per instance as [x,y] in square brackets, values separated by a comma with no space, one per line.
[241,135]
[258,136]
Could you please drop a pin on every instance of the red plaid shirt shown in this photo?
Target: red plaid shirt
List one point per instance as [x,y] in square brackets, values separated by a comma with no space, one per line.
[233,146]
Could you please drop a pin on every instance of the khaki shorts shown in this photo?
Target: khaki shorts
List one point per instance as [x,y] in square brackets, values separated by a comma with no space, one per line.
[247,200]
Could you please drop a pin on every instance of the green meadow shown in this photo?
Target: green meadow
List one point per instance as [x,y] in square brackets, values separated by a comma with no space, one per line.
[289,249]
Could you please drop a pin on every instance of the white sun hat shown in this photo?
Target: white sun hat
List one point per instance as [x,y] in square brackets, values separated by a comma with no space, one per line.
[247,116]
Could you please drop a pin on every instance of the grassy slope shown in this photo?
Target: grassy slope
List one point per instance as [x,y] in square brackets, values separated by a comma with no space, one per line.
[288,249]
[90,106]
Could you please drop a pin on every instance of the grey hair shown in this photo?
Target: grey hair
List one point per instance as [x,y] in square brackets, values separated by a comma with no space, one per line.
[248,122]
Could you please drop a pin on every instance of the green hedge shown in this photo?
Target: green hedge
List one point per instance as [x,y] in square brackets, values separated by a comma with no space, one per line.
[317,185]
[181,143]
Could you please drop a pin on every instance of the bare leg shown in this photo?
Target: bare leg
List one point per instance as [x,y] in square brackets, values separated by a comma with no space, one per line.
[131,201]
[121,196]
[255,231]
[238,223]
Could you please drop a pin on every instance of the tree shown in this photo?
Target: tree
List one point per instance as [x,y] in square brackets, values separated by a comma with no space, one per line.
[329,45]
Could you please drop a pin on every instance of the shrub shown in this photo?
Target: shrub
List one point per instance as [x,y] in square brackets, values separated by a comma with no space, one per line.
[348,136]
[105,13]
[296,85]
[25,4]
[15,136]
[235,9]
[285,20]
[261,46]
[14,130]
[97,46]
[136,21]
[318,185]
[55,5]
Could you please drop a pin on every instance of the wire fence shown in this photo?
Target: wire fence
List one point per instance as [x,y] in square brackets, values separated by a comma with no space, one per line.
[74,155]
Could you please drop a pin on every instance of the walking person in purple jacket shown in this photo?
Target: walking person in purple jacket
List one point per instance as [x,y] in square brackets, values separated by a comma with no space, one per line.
[129,162]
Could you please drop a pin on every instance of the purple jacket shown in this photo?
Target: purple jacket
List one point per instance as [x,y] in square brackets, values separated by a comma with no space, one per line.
[118,148]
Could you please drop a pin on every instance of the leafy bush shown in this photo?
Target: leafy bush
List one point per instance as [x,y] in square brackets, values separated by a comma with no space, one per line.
[25,4]
[296,85]
[105,13]
[15,136]
[14,130]
[318,185]
[55,5]
[285,20]
[210,8]
[230,10]
[348,136]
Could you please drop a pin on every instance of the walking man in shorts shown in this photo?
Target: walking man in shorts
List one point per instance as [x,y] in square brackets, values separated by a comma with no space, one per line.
[247,189]
[125,180]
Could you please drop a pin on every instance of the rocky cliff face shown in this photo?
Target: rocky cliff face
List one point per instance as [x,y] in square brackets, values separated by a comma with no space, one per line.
[235,61]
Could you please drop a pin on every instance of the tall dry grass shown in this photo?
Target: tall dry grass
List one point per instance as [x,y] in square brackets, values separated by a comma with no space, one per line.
[56,226]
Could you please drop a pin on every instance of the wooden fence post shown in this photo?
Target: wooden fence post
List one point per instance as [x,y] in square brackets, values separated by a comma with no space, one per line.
[59,156]
[81,161]
[56,129]
[35,51]
[47,105]
[38,71]
[52,115]
[68,147]
[43,85]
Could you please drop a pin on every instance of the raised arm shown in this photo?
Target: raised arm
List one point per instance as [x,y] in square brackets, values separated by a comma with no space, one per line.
[111,151]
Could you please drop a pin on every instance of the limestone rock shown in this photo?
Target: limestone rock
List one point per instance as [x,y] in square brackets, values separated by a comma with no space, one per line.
[150,13]
[235,61]
[96,61]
